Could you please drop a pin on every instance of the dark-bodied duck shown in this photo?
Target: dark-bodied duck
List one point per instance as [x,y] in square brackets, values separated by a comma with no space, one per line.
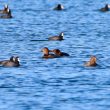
[92,61]
[59,53]
[106,8]
[12,62]
[6,15]
[59,7]
[59,37]
[46,53]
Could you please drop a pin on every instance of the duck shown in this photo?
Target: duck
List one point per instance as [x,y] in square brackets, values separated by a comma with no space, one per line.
[91,62]
[59,53]
[16,61]
[6,15]
[59,7]
[5,10]
[59,37]
[12,62]
[46,53]
[106,8]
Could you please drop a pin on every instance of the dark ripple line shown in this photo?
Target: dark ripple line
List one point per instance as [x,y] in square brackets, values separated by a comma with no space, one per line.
[38,40]
[50,84]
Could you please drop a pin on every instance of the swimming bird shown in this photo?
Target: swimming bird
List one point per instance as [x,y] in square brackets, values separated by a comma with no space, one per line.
[91,62]
[59,7]
[6,15]
[12,62]
[106,8]
[59,37]
[46,53]
[59,53]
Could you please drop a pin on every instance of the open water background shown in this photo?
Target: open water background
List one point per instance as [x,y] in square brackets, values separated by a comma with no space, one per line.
[60,83]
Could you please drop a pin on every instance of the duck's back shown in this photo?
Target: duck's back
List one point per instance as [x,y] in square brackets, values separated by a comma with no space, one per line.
[50,56]
[55,38]
[9,64]
[65,54]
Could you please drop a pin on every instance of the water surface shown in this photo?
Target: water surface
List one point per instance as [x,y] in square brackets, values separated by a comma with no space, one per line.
[61,83]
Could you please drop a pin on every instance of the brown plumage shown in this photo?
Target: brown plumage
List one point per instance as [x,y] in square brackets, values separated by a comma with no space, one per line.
[59,53]
[91,62]
[6,15]
[46,53]
[5,10]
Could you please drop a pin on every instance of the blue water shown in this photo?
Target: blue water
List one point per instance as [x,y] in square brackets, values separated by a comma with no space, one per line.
[60,83]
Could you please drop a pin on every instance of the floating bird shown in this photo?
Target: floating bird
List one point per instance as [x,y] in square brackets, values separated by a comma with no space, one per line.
[59,53]
[12,62]
[46,53]
[92,61]
[59,37]
[59,7]
[6,15]
[106,8]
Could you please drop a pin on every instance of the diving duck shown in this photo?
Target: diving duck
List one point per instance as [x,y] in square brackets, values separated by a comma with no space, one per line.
[12,62]
[91,62]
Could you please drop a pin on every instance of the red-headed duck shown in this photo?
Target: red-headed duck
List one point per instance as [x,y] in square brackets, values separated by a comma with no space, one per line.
[46,53]
[92,61]
[59,53]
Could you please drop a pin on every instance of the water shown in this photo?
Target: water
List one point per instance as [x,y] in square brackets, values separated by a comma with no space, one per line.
[61,83]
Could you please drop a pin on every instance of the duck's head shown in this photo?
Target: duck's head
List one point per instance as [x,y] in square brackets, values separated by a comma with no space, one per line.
[6,8]
[12,58]
[17,59]
[93,60]
[59,6]
[56,51]
[45,50]
[107,6]
[61,35]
